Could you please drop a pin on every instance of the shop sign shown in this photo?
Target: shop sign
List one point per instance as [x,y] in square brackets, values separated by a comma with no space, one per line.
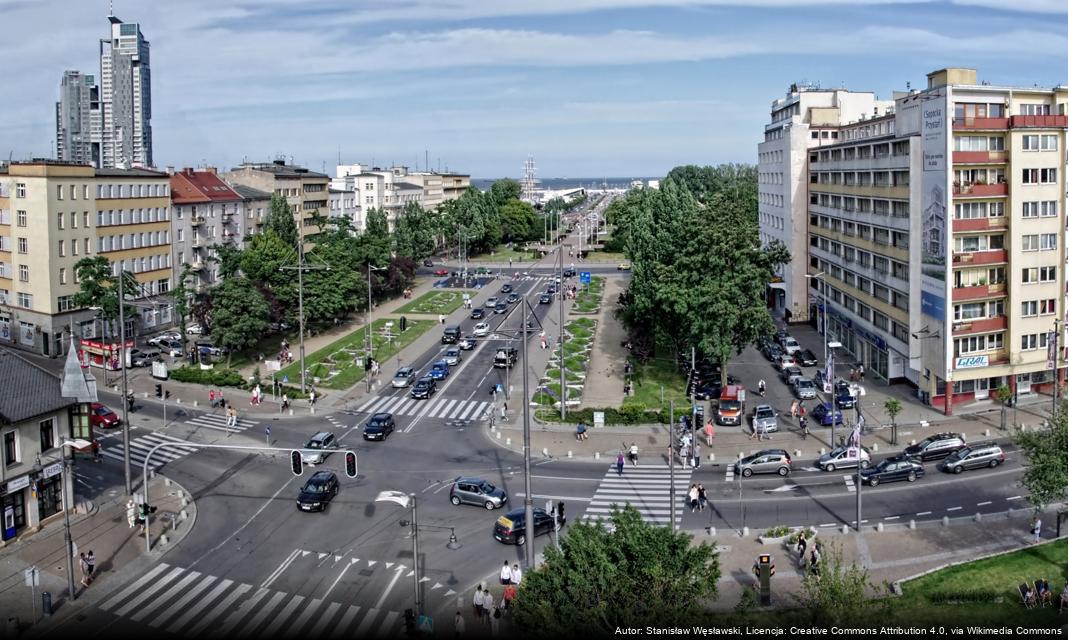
[18,484]
[53,470]
[971,362]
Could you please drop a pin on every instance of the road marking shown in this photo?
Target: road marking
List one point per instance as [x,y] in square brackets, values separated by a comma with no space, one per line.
[850,487]
[924,513]
[276,623]
[175,589]
[148,592]
[829,524]
[339,576]
[294,631]
[266,504]
[954,508]
[346,620]
[128,591]
[242,610]
[1015,498]
[363,631]
[182,603]
[222,608]
[891,517]
[261,615]
[317,630]
[282,567]
[983,504]
[389,587]
[539,496]
[567,478]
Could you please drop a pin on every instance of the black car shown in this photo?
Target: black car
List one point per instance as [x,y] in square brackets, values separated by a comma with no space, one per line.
[569,272]
[806,358]
[939,445]
[378,427]
[706,391]
[501,307]
[424,388]
[319,490]
[545,298]
[513,298]
[506,288]
[773,350]
[451,335]
[511,527]
[478,313]
[843,395]
[892,469]
[428,263]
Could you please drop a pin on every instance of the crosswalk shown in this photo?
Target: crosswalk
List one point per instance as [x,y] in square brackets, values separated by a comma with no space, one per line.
[647,488]
[445,408]
[141,445]
[217,421]
[190,604]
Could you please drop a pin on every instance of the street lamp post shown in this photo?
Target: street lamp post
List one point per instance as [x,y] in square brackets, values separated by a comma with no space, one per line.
[370,344]
[127,478]
[528,498]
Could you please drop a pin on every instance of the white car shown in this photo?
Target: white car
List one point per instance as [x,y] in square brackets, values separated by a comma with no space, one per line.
[194,329]
[170,336]
[785,361]
[790,345]
[481,329]
[492,301]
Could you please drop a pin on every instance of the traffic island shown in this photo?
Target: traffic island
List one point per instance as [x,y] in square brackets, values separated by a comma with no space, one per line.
[436,302]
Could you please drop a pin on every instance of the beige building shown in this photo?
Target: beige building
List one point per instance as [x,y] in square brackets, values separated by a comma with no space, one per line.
[454,185]
[54,214]
[306,191]
[940,229]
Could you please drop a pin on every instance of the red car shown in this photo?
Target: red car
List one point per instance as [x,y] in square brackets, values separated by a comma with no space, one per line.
[103,417]
[441,272]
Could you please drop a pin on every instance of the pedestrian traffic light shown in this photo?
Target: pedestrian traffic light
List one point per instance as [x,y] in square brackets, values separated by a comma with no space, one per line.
[350,464]
[296,462]
[367,363]
[166,394]
[159,391]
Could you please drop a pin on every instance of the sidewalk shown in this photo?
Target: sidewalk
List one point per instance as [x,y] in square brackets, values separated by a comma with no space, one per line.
[104,530]
[604,374]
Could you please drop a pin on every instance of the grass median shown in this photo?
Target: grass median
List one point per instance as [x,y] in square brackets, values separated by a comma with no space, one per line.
[435,302]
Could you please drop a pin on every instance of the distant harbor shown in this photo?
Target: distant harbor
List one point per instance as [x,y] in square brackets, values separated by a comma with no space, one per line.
[562,184]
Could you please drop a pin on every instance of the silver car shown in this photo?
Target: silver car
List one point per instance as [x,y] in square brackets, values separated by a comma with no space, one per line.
[789,374]
[492,301]
[766,461]
[322,445]
[764,419]
[974,457]
[805,388]
[844,458]
[452,356]
[403,378]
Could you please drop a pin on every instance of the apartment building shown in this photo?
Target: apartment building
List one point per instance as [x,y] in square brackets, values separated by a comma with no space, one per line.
[126,97]
[806,117]
[305,191]
[53,214]
[78,119]
[388,190]
[256,204]
[205,213]
[345,203]
[454,184]
[939,230]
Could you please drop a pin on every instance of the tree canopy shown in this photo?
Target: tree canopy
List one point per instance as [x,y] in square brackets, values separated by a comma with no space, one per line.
[280,221]
[1046,449]
[238,314]
[634,575]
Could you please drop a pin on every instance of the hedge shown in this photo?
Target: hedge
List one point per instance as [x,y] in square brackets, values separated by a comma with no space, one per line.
[628,415]
[212,377]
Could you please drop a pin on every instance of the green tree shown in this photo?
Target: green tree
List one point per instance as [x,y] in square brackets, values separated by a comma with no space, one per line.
[1003,395]
[229,260]
[96,288]
[504,191]
[635,575]
[413,232]
[519,221]
[280,221]
[182,296]
[839,594]
[1046,449]
[238,314]
[892,407]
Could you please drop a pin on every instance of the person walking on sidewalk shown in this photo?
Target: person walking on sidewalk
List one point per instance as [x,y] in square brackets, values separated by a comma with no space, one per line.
[634,453]
[517,574]
[90,561]
[476,602]
[131,513]
[285,401]
[311,398]
[802,546]
[619,464]
[793,408]
[1036,528]
[83,564]
[860,372]
[702,499]
[458,625]
[695,498]
[211,398]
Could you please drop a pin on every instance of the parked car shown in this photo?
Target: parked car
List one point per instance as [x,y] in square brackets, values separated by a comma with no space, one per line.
[773,351]
[439,370]
[623,266]
[491,302]
[424,388]
[790,345]
[481,329]
[441,272]
[844,458]
[764,419]
[379,427]
[403,378]
[451,334]
[706,390]
[103,417]
[506,288]
[511,527]
[505,357]
[471,490]
[843,395]
[892,470]
[766,461]
[791,373]
[478,313]
[974,457]
[804,388]
[512,298]
[322,445]
[806,358]
[466,343]
[166,335]
[501,307]
[822,415]
[784,361]
[194,330]
[143,358]
[428,262]
[452,356]
[318,491]
[939,445]
[545,298]
[209,348]
[172,348]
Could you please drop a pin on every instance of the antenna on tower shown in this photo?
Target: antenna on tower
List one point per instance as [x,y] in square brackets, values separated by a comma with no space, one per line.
[111,8]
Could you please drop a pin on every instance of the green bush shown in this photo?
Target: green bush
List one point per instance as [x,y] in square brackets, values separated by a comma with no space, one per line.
[955,597]
[777,532]
[212,377]
[612,416]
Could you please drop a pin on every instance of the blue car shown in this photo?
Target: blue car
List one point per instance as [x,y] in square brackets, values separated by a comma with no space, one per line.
[439,370]
[821,414]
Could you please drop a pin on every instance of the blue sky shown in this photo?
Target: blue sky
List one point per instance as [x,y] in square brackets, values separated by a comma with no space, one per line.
[589,87]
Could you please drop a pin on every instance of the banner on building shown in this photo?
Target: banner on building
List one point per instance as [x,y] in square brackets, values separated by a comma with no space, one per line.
[1051,350]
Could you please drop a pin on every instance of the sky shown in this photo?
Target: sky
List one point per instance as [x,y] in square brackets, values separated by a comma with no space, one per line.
[589,88]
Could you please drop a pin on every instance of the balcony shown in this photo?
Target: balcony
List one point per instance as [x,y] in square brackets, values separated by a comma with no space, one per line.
[228,218]
[866,191]
[981,291]
[196,221]
[981,257]
[196,265]
[980,190]
[980,123]
[979,224]
[980,157]
[5,273]
[1041,122]
[229,238]
[981,325]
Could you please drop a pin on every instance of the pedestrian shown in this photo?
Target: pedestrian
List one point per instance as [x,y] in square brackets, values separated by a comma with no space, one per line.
[696,455]
[695,498]
[131,513]
[441,318]
[509,595]
[801,409]
[211,398]
[476,602]
[754,433]
[802,545]
[458,624]
[285,401]
[793,408]
[90,561]
[860,372]
[814,561]
[517,574]
[506,574]
[83,564]
[702,499]
[1036,528]
[311,398]
[710,431]
[619,463]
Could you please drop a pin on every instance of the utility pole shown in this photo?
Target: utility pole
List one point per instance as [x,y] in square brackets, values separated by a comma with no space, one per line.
[300,269]
[563,368]
[370,344]
[671,460]
[1056,380]
[125,405]
[415,555]
[528,498]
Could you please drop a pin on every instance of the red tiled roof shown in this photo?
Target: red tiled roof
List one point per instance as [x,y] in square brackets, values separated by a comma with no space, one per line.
[192,187]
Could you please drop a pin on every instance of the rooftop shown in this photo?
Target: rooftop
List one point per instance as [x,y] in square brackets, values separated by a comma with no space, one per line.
[26,390]
[189,186]
[248,193]
[281,169]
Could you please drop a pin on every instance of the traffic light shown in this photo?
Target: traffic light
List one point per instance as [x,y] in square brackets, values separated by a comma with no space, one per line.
[367,363]
[167,394]
[350,464]
[159,391]
[296,462]
[403,323]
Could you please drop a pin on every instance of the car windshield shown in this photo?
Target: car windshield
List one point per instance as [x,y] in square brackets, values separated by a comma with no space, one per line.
[765,413]
[315,444]
[839,451]
[314,487]
[805,384]
[103,411]
[730,405]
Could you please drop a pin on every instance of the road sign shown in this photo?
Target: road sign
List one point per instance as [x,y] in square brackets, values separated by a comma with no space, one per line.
[584,277]
[598,418]
[285,379]
[32,577]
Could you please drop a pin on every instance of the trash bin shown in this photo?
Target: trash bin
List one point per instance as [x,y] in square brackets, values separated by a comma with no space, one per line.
[403,323]
[46,603]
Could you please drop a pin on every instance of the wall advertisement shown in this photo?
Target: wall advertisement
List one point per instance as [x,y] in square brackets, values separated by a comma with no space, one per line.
[935,232]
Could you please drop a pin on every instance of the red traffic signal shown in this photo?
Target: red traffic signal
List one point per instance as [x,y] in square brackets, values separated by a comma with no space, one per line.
[350,464]
[297,462]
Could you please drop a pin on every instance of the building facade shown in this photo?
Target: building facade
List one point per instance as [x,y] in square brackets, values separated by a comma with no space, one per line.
[78,119]
[205,213]
[305,191]
[54,214]
[126,97]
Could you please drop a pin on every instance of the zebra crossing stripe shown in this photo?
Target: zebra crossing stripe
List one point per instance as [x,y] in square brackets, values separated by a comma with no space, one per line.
[387,407]
[266,610]
[170,593]
[317,630]
[850,487]
[200,606]
[276,623]
[446,407]
[149,592]
[346,620]
[313,606]
[365,406]
[133,588]
[178,606]
[389,621]
[220,609]
[366,624]
[241,612]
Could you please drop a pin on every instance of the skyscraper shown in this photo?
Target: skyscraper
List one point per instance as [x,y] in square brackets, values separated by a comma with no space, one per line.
[126,97]
[78,119]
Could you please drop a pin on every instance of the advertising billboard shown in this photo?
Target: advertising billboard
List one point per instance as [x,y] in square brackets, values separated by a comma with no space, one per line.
[935,236]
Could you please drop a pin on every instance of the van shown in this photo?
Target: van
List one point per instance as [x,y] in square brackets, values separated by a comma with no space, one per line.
[731,405]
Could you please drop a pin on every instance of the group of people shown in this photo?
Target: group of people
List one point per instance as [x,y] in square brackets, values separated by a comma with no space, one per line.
[815,556]
[87,562]
[857,374]
[698,499]
[285,356]
[257,396]
[631,454]
[485,607]
[1041,592]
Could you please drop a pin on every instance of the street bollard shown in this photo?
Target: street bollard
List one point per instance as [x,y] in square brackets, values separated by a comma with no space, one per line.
[196,403]
[912,442]
[845,528]
[978,517]
[875,446]
[545,452]
[822,451]
[498,435]
[945,521]
[183,514]
[163,539]
[879,527]
[507,442]
[741,455]
[144,394]
[166,482]
[797,453]
[745,532]
[177,401]
[569,454]
[312,409]
[912,524]
[596,455]
[291,411]
[711,457]
[46,602]
[712,531]
[986,433]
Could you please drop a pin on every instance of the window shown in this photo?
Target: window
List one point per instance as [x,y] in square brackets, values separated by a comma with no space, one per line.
[20,218]
[1029,308]
[73,192]
[74,246]
[73,220]
[65,303]
[969,311]
[1030,242]
[1039,241]
[1047,274]
[1032,341]
[59,192]
[1034,109]
[20,190]
[48,427]
[63,275]
[24,273]
[59,221]
[24,245]
[85,192]
[1039,176]
[85,219]
[62,244]
[11,448]
[25,300]
[1048,241]
[1047,307]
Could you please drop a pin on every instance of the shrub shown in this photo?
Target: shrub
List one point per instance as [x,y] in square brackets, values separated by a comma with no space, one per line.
[212,377]
[777,532]
[960,597]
